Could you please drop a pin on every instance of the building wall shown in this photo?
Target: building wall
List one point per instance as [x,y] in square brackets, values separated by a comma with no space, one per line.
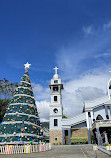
[100,111]
[79,133]
[56,134]
[52,127]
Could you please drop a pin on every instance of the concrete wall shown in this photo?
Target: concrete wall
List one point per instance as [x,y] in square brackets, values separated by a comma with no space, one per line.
[56,134]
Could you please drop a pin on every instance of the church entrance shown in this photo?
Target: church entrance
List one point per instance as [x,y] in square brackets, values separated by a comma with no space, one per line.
[66,137]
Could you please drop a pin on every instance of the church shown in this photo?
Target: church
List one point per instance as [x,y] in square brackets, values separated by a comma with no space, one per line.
[95,119]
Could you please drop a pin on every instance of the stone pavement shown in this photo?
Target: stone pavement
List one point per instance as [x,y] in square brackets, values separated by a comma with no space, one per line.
[62,152]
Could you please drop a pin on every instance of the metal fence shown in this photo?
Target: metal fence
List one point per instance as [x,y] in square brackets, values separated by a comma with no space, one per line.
[18,149]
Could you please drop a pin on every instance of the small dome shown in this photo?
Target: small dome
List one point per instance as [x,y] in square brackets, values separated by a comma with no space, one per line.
[56,76]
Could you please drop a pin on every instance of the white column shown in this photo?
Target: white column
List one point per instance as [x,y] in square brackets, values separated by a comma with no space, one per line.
[91,116]
[87,120]
[88,130]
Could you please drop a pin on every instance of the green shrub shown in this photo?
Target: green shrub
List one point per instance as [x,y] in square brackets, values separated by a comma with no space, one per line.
[79,140]
[92,139]
[109,140]
[105,144]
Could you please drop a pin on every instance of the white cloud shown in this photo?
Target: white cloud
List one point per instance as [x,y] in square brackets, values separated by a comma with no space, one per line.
[107,26]
[107,53]
[37,87]
[40,92]
[88,87]
[88,30]
[43,109]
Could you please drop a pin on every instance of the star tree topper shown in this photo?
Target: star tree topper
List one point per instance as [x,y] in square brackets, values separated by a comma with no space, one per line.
[27,65]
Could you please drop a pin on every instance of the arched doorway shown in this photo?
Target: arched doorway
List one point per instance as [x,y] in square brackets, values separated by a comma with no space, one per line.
[99,117]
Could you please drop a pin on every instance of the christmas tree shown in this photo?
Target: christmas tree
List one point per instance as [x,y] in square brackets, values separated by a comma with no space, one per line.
[21,123]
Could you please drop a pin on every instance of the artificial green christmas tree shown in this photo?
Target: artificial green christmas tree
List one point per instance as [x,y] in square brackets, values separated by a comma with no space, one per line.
[21,123]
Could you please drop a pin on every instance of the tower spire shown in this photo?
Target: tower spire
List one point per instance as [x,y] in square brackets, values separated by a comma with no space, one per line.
[56,68]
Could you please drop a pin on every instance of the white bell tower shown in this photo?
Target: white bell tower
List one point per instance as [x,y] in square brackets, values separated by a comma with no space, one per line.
[56,109]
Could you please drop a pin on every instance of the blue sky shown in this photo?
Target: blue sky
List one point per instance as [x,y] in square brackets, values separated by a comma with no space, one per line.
[74,35]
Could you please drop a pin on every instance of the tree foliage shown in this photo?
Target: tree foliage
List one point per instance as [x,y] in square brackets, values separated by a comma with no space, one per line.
[6,93]
[64,116]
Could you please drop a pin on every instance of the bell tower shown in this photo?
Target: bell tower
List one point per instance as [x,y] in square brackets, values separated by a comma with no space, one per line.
[56,109]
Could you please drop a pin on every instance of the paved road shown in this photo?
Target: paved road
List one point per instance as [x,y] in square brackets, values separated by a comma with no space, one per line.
[62,152]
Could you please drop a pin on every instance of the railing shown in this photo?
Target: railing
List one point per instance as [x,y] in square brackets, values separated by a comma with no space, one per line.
[101,122]
[18,149]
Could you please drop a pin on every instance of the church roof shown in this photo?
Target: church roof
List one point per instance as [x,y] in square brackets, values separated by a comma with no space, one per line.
[56,76]
[74,120]
[95,103]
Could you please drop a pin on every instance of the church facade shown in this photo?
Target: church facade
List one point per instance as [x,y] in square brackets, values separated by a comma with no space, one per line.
[95,119]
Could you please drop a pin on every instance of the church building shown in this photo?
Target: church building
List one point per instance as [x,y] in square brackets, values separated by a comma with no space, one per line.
[95,119]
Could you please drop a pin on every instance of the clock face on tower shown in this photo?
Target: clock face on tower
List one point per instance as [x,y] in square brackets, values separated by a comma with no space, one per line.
[55,110]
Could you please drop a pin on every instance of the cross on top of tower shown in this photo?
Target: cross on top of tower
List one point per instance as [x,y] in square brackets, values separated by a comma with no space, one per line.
[56,68]
[27,65]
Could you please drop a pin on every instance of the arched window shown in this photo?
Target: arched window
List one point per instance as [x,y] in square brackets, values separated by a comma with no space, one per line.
[99,117]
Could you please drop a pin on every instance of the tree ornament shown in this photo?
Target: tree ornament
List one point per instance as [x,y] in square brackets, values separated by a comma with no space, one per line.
[14,133]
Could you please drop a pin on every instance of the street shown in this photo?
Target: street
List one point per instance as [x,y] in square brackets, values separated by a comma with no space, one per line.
[63,152]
